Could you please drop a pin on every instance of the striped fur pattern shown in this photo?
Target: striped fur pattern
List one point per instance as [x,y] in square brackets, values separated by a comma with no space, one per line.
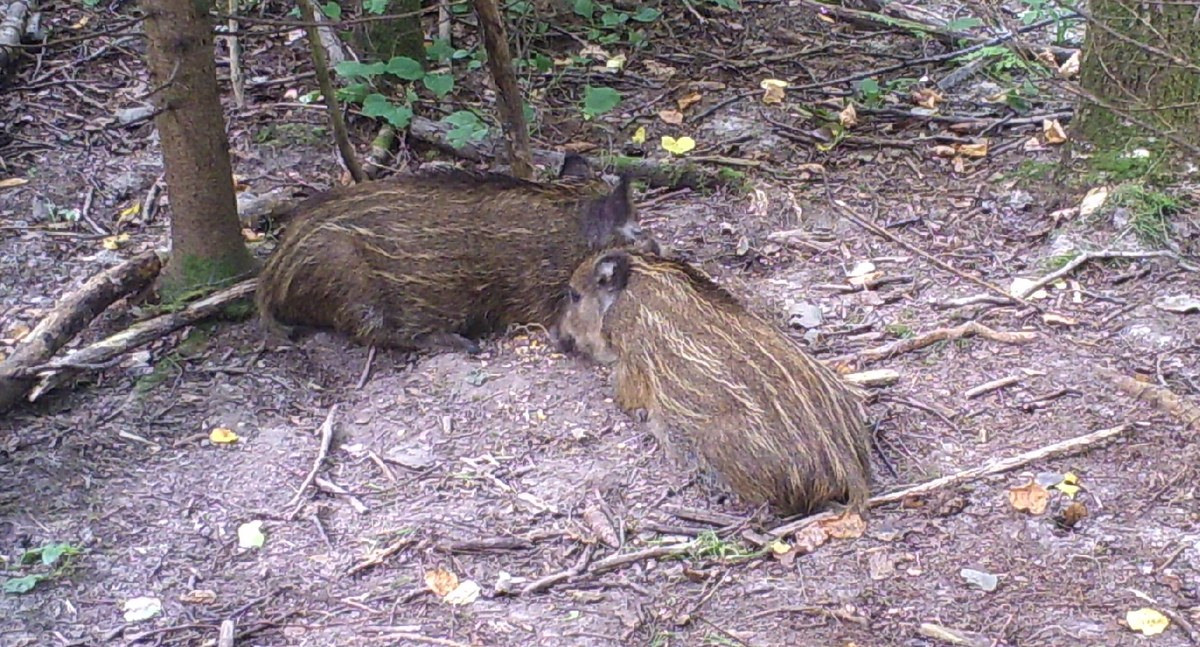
[440,258]
[723,390]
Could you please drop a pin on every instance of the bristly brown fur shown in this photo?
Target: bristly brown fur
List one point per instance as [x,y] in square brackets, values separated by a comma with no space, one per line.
[723,389]
[440,257]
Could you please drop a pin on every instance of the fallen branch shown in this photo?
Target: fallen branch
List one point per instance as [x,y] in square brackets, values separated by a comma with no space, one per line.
[1085,257]
[71,315]
[887,235]
[1162,398]
[55,372]
[1064,448]
[655,174]
[875,378]
[326,441]
[941,334]
[988,387]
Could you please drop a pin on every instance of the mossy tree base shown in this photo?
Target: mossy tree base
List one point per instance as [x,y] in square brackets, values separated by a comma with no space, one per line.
[1157,83]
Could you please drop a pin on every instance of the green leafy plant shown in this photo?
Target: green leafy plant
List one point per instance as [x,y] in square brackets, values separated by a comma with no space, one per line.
[374,104]
[56,556]
[609,24]
[599,100]
[468,127]
[1038,10]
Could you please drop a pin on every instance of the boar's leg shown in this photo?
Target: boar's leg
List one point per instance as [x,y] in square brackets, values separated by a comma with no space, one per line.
[447,340]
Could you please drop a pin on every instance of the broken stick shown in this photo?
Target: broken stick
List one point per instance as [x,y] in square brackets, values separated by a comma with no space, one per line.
[1063,448]
[941,334]
[69,317]
[57,371]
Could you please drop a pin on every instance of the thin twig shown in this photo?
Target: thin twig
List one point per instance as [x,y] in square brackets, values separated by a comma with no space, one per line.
[326,440]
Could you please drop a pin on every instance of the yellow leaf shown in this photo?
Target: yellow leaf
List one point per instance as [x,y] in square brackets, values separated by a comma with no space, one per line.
[639,136]
[678,146]
[615,63]
[441,582]
[773,90]
[671,116]
[780,547]
[1147,621]
[9,182]
[1031,498]
[114,242]
[824,17]
[1053,131]
[130,211]
[688,100]
[848,117]
[82,22]
[1069,485]
[222,435]
[1093,200]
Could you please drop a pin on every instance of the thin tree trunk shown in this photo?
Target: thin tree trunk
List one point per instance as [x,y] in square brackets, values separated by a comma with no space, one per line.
[510,103]
[206,240]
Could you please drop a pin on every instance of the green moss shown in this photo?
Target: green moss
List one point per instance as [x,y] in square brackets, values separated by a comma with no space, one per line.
[1150,212]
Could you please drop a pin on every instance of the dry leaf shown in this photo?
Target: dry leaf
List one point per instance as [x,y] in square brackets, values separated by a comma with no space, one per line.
[594,51]
[927,98]
[780,547]
[601,526]
[864,279]
[773,90]
[615,63]
[658,69]
[222,435]
[1070,67]
[1073,514]
[848,117]
[847,526]
[1031,498]
[809,539]
[1054,132]
[1046,57]
[441,582]
[1093,200]
[688,100]
[973,150]
[202,596]
[1069,485]
[9,182]
[670,116]
[114,242]
[942,150]
[463,594]
[1021,286]
[1147,621]
[252,236]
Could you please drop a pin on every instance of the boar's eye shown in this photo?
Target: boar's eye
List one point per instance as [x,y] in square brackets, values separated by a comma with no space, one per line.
[575,296]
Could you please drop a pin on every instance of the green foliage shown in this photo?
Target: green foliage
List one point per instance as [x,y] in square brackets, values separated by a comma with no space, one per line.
[870,94]
[610,25]
[468,127]
[1038,10]
[599,100]
[1150,212]
[55,556]
[375,104]
[963,24]
[899,330]
[332,10]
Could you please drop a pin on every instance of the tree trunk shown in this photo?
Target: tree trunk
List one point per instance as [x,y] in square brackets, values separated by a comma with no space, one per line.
[207,249]
[1141,59]
[404,36]
[509,99]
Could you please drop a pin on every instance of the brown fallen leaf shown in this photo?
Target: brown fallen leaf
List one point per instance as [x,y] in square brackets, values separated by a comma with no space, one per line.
[847,526]
[1053,131]
[1073,514]
[927,98]
[441,581]
[809,539]
[1031,498]
[973,150]
[773,90]
[688,100]
[848,117]
[601,526]
[670,116]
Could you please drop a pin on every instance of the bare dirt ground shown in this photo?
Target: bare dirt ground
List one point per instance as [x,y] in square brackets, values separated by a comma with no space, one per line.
[485,466]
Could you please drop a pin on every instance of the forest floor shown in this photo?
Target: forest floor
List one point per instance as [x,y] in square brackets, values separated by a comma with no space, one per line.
[482,468]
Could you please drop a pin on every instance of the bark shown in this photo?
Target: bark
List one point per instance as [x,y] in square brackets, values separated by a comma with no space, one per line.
[1141,59]
[206,242]
[510,103]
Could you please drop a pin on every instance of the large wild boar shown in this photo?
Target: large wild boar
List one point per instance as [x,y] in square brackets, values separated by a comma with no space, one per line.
[440,258]
[723,390]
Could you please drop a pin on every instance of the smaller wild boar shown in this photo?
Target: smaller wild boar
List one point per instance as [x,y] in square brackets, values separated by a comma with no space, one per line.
[723,390]
[440,258]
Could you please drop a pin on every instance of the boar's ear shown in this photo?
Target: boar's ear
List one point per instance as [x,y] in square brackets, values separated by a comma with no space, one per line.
[574,165]
[611,272]
[617,207]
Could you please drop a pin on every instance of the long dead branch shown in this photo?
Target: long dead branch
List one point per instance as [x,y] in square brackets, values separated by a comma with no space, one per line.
[70,316]
[55,372]
[1065,448]
[941,334]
